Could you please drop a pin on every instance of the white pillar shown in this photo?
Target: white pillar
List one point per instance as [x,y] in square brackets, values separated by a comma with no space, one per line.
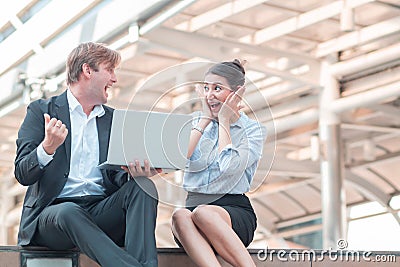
[5,206]
[332,189]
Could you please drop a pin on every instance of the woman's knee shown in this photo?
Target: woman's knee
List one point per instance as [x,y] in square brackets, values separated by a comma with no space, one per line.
[180,218]
[205,216]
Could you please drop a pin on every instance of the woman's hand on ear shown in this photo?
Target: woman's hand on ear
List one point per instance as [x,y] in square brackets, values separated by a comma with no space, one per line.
[230,108]
[206,109]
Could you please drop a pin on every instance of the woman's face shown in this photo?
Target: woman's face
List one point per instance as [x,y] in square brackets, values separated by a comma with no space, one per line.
[216,90]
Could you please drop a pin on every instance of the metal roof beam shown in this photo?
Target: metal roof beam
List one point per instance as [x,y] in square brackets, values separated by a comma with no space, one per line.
[285,109]
[194,44]
[22,41]
[340,105]
[286,123]
[276,187]
[306,168]
[370,128]
[359,37]
[163,32]
[301,21]
[12,8]
[388,110]
[360,140]
[366,61]
[389,157]
[217,14]
[367,98]
[371,191]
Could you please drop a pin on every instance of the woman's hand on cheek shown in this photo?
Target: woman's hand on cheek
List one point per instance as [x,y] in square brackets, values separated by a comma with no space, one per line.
[206,109]
[230,108]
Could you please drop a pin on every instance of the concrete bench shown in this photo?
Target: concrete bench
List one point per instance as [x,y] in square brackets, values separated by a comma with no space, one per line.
[14,256]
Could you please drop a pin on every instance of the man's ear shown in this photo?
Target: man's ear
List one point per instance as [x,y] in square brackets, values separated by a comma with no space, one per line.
[86,69]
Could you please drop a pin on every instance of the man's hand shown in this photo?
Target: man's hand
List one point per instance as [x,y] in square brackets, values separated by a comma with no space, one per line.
[135,170]
[55,134]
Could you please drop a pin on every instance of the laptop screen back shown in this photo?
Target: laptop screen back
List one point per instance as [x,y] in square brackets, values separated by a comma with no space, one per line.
[162,138]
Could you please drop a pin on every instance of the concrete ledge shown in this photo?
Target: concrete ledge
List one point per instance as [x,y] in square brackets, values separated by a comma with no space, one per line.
[15,256]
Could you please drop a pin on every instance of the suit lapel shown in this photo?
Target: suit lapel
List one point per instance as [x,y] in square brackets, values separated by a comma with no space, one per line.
[103,131]
[61,112]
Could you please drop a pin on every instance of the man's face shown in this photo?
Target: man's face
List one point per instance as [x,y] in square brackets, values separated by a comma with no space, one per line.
[101,81]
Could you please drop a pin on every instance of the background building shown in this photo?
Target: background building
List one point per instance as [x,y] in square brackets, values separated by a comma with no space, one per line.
[323,76]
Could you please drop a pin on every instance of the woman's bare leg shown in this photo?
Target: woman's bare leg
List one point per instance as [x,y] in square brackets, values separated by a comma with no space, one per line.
[193,241]
[215,223]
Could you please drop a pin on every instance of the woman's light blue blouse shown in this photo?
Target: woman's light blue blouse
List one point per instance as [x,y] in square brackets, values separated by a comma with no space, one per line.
[232,170]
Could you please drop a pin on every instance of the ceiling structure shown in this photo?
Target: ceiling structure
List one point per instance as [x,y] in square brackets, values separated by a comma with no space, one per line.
[292,48]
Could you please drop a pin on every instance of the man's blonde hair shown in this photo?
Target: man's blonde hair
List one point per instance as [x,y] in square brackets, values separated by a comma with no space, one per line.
[93,54]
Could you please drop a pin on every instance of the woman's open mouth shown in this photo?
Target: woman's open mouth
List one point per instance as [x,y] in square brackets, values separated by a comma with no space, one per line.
[214,106]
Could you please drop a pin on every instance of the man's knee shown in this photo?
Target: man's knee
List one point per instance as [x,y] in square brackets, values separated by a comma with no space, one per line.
[146,186]
[63,213]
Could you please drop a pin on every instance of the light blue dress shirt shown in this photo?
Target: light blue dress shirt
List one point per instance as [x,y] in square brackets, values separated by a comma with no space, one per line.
[231,171]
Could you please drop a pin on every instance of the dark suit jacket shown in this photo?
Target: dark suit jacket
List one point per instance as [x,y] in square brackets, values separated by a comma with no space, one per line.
[46,184]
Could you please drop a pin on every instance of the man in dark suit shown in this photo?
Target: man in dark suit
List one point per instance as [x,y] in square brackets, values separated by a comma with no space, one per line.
[70,202]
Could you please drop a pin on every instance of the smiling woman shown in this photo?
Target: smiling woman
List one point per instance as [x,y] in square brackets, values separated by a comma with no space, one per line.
[224,152]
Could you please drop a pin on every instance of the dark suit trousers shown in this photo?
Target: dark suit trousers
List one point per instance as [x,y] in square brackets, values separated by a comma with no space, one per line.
[100,226]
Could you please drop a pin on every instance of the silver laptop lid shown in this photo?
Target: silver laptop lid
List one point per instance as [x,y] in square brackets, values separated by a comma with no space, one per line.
[162,138]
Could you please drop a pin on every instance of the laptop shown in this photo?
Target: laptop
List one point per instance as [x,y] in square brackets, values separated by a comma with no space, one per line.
[161,138]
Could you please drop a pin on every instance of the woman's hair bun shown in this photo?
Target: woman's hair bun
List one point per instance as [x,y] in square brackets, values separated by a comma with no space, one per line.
[239,64]
[233,71]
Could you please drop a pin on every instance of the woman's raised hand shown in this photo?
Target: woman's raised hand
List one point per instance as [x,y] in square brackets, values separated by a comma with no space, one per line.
[230,108]
[205,108]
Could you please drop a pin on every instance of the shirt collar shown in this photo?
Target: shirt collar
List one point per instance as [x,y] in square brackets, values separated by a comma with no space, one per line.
[73,103]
